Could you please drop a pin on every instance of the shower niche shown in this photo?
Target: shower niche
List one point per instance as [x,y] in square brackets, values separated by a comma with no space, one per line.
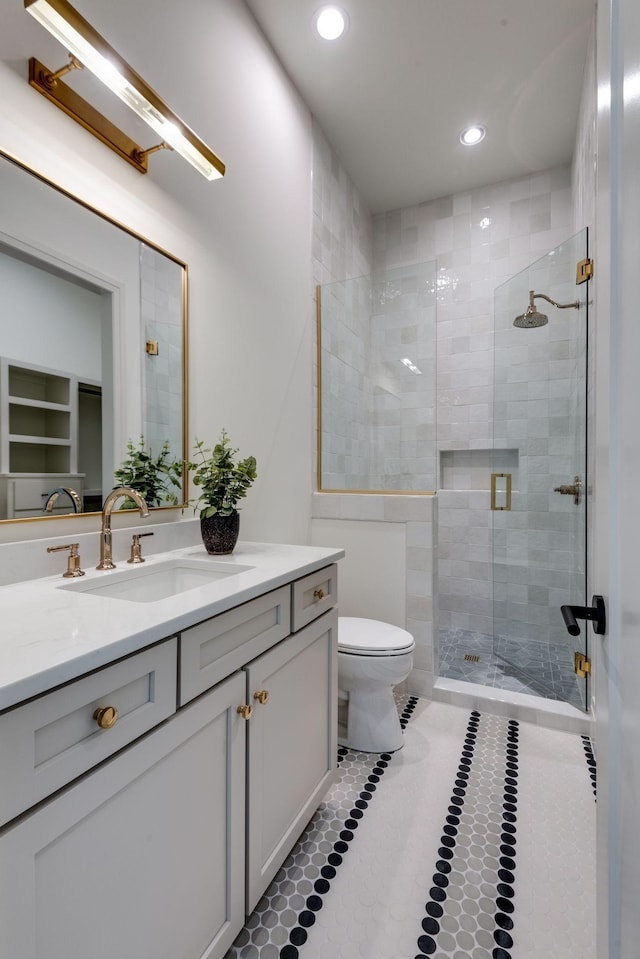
[472,469]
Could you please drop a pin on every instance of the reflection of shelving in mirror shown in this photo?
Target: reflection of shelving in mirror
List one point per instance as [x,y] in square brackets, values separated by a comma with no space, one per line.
[38,437]
[80,302]
[90,443]
[41,409]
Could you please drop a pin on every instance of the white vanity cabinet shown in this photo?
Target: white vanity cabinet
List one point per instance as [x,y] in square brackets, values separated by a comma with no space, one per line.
[153,836]
[142,858]
[291,751]
[286,643]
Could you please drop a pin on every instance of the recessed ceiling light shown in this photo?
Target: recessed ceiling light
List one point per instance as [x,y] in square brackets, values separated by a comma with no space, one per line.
[472,135]
[331,22]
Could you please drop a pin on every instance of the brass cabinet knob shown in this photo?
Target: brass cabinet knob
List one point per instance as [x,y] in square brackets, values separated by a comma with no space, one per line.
[245,711]
[106,717]
[262,695]
[319,593]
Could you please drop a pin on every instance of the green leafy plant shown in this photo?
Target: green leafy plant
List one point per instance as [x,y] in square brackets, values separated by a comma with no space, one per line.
[222,481]
[151,476]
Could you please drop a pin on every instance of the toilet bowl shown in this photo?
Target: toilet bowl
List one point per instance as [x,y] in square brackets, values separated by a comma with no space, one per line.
[373,657]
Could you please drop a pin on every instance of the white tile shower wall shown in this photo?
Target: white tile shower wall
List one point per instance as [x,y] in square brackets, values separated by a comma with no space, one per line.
[342,239]
[419,516]
[341,249]
[480,239]
[161,310]
[346,378]
[403,427]
[464,560]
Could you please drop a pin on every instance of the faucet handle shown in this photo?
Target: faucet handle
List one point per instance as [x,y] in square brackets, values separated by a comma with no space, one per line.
[136,548]
[73,561]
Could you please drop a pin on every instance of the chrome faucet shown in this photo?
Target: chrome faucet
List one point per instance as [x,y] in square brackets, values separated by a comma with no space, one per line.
[106,561]
[55,493]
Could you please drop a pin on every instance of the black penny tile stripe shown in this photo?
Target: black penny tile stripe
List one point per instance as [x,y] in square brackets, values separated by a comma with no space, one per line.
[591,762]
[279,926]
[470,906]
[406,712]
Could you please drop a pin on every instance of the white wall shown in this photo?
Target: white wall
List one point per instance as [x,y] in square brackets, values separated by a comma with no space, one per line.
[246,237]
[36,304]
[372,573]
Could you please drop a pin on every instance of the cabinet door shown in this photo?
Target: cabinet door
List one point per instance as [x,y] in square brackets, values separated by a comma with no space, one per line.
[143,857]
[292,745]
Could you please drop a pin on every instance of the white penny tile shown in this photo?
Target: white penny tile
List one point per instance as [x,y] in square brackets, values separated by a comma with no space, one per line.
[471,842]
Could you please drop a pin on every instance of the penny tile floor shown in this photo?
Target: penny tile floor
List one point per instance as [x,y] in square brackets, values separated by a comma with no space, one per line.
[474,841]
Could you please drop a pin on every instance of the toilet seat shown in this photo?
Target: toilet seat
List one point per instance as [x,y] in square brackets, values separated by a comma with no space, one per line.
[370,637]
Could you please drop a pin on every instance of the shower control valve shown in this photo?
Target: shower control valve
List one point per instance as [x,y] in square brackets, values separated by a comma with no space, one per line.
[575,490]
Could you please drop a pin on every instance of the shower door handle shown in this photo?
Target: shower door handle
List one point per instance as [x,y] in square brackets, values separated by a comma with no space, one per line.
[596,613]
[506,492]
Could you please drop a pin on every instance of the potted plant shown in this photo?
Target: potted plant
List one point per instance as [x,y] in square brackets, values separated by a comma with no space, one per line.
[222,480]
[151,476]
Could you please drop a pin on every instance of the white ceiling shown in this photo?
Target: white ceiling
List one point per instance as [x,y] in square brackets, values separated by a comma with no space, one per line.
[393,94]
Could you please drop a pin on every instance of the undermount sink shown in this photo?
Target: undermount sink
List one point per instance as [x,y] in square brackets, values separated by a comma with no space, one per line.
[159,581]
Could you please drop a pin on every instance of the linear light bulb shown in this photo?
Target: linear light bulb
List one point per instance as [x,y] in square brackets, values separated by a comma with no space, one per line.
[81,40]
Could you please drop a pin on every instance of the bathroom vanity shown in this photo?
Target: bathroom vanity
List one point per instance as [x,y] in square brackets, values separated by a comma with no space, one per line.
[160,757]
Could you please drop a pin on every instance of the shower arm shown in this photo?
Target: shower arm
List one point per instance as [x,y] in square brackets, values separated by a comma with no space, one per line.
[561,306]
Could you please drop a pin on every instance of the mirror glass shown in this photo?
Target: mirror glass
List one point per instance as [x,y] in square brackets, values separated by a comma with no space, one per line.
[92,356]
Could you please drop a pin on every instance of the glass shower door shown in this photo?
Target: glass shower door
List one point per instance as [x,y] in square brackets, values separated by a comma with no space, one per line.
[539,475]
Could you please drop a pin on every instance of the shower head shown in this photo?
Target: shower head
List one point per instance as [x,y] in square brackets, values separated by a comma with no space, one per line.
[532,317]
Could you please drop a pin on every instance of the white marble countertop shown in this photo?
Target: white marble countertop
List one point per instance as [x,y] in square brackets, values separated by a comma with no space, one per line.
[51,635]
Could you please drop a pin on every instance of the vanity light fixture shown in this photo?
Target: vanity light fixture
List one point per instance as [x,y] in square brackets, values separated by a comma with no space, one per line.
[472,135]
[88,49]
[330,22]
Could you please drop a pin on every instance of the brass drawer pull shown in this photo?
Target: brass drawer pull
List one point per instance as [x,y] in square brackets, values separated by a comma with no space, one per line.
[319,593]
[245,711]
[106,717]
[262,696]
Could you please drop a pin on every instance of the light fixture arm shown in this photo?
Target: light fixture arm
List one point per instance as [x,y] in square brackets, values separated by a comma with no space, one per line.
[50,80]
[141,155]
[561,306]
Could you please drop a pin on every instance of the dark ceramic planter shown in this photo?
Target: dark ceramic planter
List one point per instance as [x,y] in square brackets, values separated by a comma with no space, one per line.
[220,533]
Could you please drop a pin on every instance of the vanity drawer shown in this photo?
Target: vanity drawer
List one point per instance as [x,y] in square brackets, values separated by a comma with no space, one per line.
[313,595]
[49,741]
[216,648]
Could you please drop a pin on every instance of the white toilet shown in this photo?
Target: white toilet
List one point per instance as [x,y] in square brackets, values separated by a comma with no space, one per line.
[373,657]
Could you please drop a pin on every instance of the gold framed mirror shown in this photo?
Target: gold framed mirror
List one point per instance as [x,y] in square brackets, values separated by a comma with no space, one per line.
[93,354]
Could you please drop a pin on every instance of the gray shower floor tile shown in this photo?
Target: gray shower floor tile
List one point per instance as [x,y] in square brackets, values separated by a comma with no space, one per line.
[525,666]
